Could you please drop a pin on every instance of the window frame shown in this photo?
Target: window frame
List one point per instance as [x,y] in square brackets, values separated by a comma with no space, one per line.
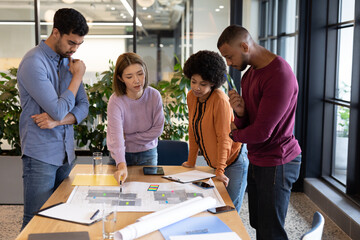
[315,118]
[272,27]
[334,26]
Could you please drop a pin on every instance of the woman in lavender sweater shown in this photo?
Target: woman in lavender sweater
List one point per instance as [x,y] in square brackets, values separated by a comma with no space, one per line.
[135,116]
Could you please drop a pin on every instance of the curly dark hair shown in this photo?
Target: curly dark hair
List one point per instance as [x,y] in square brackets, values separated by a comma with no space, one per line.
[209,65]
[68,20]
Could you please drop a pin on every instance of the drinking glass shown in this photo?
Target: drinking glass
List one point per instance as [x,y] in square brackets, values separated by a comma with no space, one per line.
[97,162]
[109,223]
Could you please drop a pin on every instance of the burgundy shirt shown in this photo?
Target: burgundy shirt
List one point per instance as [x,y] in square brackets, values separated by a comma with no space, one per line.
[270,96]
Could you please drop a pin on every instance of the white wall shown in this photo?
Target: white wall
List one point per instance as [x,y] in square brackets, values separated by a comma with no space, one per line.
[250,17]
[209,24]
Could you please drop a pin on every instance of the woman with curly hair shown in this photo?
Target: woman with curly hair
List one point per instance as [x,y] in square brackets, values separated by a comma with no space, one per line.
[210,116]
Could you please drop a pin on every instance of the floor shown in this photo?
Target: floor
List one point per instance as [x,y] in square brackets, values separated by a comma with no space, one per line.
[298,221]
[299,218]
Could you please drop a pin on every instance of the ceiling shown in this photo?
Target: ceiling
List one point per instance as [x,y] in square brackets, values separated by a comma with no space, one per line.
[160,15]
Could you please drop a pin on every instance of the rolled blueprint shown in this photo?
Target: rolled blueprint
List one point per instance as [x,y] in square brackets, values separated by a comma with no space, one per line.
[156,221]
[165,210]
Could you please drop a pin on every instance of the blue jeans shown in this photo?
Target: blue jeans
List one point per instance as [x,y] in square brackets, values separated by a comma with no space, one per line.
[40,181]
[269,190]
[237,173]
[149,157]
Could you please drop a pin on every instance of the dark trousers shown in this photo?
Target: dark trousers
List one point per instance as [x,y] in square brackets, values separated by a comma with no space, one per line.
[269,190]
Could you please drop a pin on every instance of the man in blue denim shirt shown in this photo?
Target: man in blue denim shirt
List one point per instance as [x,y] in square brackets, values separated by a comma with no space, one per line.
[52,99]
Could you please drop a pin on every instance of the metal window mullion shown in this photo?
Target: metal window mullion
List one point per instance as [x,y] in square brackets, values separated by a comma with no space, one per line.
[353,167]
[37,21]
[134,26]
[282,13]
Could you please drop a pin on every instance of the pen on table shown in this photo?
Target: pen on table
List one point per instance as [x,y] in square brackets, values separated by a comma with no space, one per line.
[120,186]
[94,215]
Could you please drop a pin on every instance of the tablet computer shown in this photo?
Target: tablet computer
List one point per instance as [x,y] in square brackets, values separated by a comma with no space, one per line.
[153,170]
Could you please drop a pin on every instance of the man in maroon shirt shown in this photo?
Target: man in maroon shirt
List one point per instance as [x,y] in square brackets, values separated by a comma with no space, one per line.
[265,115]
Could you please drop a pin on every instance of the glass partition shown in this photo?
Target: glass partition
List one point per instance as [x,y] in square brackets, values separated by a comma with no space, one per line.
[164,29]
[17,31]
[110,26]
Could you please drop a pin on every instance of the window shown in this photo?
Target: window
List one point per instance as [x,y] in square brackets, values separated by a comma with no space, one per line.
[279,28]
[338,86]
[329,85]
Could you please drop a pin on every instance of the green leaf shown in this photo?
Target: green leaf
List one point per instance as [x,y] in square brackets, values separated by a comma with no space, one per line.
[177,67]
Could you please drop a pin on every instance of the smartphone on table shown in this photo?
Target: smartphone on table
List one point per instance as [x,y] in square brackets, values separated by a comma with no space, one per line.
[203,184]
[153,171]
[221,209]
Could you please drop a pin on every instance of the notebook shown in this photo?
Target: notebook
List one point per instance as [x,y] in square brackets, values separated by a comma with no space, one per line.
[71,213]
[60,236]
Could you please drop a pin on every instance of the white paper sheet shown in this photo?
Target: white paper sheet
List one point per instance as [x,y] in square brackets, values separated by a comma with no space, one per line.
[189,176]
[157,221]
[136,196]
[72,213]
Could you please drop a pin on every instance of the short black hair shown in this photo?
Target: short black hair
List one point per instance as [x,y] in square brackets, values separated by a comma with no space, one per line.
[209,65]
[231,33]
[68,20]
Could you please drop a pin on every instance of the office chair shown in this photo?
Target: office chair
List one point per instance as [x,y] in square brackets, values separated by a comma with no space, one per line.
[171,152]
[317,228]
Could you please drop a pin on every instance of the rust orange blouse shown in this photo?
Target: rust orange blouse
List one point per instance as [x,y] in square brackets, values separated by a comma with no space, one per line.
[209,128]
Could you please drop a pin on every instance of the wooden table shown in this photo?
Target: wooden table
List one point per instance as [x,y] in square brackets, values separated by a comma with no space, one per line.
[41,224]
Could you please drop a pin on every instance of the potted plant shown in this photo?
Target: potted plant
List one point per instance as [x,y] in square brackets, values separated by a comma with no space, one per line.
[92,131]
[10,110]
[10,160]
[174,93]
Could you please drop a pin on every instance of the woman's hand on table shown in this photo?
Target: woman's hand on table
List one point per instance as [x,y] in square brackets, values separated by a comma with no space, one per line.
[223,178]
[121,172]
[187,165]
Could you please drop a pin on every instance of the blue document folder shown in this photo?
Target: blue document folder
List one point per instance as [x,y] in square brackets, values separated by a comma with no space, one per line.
[195,225]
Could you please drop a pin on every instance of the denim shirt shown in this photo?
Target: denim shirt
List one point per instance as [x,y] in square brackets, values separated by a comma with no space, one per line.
[43,78]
